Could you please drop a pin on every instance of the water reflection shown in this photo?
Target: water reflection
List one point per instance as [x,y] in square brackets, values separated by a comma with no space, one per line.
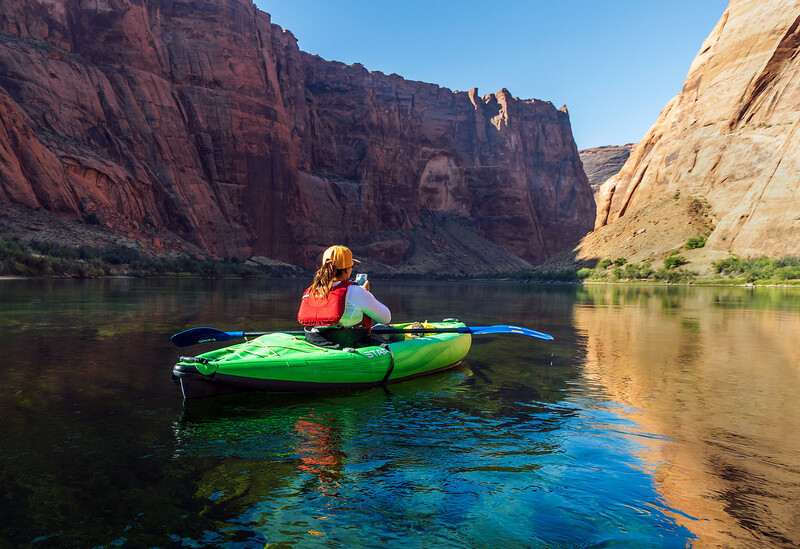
[658,416]
[714,370]
[440,458]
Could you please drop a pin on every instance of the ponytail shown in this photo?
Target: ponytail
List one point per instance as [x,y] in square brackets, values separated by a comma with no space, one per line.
[323,280]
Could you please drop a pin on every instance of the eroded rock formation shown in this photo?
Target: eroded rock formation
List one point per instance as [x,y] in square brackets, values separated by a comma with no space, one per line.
[601,163]
[730,139]
[204,120]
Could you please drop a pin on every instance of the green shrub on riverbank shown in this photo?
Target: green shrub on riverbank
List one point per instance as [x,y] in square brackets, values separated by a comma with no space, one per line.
[35,258]
[674,260]
[760,269]
[694,243]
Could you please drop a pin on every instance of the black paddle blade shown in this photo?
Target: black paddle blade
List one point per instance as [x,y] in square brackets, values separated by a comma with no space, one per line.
[201,335]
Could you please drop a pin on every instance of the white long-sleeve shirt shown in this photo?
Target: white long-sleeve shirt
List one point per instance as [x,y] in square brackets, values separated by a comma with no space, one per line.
[359,302]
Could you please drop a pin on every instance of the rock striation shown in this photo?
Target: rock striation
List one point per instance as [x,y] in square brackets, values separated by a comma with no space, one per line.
[730,139]
[203,120]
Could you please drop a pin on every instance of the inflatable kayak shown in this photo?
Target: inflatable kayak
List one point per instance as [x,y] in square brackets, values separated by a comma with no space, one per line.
[286,362]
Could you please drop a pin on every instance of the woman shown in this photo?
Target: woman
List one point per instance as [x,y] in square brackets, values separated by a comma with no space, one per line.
[338,313]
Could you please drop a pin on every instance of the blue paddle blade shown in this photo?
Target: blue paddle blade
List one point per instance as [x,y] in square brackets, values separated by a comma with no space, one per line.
[505,329]
[202,335]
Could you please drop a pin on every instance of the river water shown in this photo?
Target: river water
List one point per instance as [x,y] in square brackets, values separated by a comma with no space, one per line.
[659,417]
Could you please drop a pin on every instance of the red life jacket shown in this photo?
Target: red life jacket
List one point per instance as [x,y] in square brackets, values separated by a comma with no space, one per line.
[315,311]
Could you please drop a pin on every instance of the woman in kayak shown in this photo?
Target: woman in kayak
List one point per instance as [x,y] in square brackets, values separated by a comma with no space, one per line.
[338,313]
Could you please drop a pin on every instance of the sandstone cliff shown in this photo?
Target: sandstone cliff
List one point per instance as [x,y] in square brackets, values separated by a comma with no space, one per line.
[204,120]
[601,163]
[729,143]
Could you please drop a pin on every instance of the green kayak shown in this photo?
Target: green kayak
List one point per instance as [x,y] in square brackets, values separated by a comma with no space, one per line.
[285,362]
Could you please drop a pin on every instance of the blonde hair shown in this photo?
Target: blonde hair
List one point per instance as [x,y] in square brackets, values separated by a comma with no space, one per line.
[323,279]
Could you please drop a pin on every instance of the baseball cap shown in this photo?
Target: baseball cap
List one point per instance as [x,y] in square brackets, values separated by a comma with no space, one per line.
[340,256]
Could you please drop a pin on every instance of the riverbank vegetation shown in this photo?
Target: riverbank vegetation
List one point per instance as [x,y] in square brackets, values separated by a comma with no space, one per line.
[734,270]
[35,258]
[676,269]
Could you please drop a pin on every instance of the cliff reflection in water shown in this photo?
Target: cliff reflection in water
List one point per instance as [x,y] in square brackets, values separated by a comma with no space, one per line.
[523,445]
[716,371]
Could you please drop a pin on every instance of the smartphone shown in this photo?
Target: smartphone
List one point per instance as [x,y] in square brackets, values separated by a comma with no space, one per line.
[361,279]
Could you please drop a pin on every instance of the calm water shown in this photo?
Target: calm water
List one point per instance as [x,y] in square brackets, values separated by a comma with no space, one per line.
[658,418]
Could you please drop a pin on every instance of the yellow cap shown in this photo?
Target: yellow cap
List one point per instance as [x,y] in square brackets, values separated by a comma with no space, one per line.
[340,256]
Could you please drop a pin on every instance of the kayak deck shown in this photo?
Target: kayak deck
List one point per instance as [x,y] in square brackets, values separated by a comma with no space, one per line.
[286,362]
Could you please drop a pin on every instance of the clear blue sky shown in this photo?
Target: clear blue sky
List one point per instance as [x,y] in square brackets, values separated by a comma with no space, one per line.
[614,63]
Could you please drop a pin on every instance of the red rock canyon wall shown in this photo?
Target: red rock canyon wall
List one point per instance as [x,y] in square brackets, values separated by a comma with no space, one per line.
[203,119]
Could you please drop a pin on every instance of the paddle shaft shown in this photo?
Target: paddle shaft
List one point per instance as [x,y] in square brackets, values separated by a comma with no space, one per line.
[475,330]
[205,335]
[420,330]
[374,330]
[462,330]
